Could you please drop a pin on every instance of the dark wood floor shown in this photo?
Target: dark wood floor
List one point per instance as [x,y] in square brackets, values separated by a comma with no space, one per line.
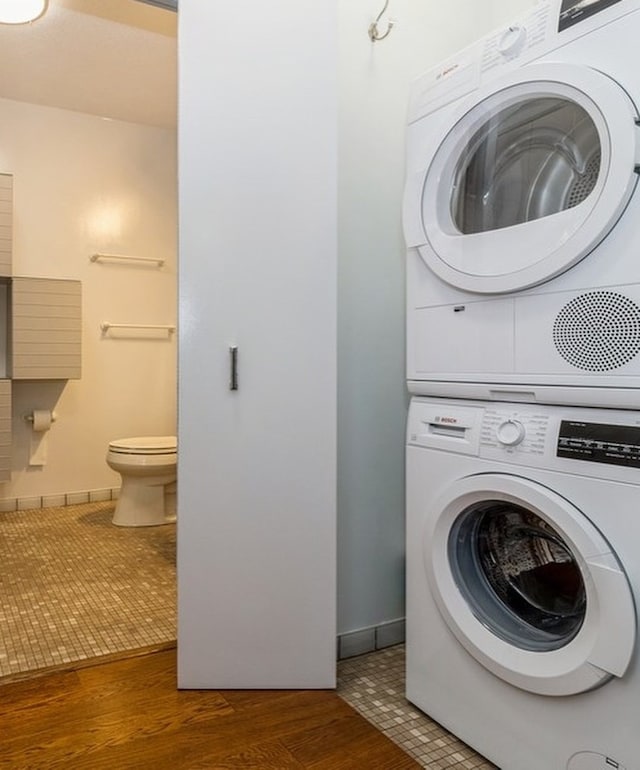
[128,714]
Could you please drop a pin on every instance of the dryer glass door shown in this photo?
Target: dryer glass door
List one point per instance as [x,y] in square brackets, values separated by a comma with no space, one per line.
[527,178]
[533,159]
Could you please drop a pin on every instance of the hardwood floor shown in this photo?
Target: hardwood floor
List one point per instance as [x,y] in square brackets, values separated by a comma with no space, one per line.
[128,714]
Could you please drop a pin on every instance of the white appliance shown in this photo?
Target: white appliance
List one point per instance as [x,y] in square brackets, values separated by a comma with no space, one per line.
[521,212]
[523,573]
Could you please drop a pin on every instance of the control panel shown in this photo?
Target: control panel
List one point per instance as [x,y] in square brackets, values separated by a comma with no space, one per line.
[602,443]
[516,430]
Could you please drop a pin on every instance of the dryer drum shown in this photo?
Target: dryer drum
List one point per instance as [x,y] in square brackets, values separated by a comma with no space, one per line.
[585,182]
[518,575]
[535,158]
[598,331]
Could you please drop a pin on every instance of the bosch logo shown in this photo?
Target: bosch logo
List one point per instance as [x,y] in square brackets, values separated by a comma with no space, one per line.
[447,71]
[449,420]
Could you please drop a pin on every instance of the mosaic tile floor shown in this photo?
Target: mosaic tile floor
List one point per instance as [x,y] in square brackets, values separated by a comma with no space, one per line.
[74,587]
[374,685]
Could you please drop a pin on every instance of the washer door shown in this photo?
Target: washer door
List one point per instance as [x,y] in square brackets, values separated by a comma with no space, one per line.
[528,585]
[527,178]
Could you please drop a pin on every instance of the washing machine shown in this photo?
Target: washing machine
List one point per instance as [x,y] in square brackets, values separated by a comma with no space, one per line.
[523,575]
[522,212]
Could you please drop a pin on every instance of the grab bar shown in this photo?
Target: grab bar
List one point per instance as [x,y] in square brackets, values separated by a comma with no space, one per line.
[126,257]
[106,325]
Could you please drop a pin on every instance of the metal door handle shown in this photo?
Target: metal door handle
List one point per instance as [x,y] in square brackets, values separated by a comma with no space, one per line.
[233,379]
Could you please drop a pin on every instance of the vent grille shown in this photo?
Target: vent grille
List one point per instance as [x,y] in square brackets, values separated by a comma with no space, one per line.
[584,184]
[598,331]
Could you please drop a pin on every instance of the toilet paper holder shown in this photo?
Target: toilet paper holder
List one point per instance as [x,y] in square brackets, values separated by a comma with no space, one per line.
[41,421]
[31,417]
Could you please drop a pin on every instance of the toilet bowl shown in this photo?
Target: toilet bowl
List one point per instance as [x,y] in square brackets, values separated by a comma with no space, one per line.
[147,465]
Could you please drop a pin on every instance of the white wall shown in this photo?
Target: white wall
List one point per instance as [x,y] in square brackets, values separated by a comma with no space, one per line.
[84,184]
[374,80]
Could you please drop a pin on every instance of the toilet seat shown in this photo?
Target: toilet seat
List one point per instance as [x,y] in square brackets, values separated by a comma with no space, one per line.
[145,445]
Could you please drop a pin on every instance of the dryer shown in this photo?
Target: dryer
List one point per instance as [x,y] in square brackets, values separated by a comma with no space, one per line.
[522,215]
[523,535]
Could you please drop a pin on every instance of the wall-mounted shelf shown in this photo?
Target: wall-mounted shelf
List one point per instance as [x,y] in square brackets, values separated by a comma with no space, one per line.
[126,258]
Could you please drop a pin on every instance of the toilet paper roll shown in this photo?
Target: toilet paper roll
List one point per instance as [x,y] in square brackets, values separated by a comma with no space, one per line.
[41,420]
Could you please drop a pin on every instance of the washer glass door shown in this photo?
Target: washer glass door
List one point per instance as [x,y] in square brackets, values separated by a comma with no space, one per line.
[518,575]
[527,178]
[528,585]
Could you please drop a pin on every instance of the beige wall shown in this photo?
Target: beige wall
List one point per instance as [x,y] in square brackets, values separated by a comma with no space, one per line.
[84,184]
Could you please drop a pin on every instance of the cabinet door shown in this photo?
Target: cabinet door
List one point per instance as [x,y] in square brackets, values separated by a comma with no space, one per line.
[5,430]
[257,477]
[6,223]
[45,329]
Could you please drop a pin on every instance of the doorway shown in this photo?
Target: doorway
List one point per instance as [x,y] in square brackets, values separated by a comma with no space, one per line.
[89,137]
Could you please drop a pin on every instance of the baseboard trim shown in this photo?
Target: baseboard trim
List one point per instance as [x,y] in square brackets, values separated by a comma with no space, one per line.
[10,504]
[370,639]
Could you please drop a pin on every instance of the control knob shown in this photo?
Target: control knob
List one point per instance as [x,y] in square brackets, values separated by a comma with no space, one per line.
[512,41]
[510,432]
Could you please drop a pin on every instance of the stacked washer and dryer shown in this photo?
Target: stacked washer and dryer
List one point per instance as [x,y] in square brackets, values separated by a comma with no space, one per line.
[522,218]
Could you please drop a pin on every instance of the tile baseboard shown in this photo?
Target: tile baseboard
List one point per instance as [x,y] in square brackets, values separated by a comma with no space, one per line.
[371,639]
[10,504]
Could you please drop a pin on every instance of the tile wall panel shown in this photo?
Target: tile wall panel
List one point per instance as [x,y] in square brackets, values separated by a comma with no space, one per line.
[5,430]
[46,328]
[6,225]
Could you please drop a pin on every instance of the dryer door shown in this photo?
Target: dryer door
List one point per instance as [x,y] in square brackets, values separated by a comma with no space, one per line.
[528,585]
[526,179]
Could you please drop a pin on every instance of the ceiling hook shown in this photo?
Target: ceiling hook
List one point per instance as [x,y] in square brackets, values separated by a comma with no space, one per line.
[374,33]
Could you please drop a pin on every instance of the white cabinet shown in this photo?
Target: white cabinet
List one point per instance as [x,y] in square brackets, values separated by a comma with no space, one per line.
[46,329]
[257,465]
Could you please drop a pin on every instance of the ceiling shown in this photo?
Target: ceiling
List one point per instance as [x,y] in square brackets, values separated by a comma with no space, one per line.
[113,58]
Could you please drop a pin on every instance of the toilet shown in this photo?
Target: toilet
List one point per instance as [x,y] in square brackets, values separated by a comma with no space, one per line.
[147,465]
